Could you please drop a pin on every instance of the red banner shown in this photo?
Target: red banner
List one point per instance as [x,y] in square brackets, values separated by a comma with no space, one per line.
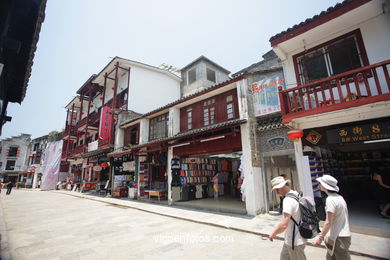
[105,123]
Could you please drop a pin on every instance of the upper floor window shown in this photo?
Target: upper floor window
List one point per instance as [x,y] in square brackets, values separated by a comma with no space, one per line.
[334,57]
[13,152]
[191,75]
[209,112]
[189,118]
[211,75]
[158,127]
[36,146]
[10,166]
[229,107]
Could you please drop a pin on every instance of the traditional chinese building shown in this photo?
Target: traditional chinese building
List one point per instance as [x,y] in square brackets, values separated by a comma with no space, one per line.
[14,158]
[336,68]
[122,86]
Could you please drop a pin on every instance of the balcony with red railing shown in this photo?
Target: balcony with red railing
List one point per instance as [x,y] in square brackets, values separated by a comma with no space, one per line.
[70,130]
[78,150]
[353,88]
[94,118]
[102,142]
[82,122]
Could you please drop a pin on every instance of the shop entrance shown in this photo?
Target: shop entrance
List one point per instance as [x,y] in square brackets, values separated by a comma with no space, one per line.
[194,186]
[282,165]
[354,166]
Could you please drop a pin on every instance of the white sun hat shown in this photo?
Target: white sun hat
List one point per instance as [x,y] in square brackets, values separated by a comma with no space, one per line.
[328,182]
[278,182]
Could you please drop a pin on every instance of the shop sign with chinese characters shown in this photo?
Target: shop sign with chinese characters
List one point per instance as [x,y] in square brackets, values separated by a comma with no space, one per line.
[265,95]
[359,133]
[105,123]
[313,137]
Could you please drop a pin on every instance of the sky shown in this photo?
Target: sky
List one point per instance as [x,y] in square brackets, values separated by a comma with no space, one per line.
[78,38]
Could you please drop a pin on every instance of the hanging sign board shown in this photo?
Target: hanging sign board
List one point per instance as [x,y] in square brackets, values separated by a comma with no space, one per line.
[313,137]
[105,123]
[265,95]
[359,133]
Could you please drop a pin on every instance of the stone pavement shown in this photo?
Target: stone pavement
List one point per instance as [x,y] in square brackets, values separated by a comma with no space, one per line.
[261,225]
[50,225]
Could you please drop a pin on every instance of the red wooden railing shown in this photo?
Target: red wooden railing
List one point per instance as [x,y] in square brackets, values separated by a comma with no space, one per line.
[349,89]
[82,122]
[78,150]
[70,130]
[102,142]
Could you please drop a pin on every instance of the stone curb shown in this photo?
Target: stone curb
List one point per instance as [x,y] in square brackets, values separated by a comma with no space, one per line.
[263,235]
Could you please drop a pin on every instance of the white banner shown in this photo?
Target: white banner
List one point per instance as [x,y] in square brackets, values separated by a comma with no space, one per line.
[51,165]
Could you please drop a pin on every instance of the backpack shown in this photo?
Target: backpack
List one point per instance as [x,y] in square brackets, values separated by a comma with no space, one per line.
[308,226]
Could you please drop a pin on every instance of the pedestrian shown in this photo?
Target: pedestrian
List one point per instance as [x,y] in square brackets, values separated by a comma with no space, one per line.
[336,222]
[9,187]
[1,186]
[381,191]
[293,247]
[215,186]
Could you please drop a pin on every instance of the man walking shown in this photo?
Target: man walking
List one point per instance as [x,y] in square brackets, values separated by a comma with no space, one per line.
[9,187]
[336,222]
[294,244]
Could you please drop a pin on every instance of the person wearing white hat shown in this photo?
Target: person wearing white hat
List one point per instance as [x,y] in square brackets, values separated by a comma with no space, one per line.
[290,209]
[336,222]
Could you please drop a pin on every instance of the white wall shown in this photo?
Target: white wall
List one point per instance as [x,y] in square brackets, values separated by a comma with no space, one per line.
[144,131]
[149,90]
[174,121]
[21,142]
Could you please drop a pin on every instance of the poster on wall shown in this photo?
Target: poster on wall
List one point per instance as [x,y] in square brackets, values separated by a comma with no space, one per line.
[265,95]
[105,123]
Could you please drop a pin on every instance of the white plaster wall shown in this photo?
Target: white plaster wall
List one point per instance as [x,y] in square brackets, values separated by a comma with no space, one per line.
[21,161]
[174,121]
[144,131]
[149,90]
[254,189]
[242,98]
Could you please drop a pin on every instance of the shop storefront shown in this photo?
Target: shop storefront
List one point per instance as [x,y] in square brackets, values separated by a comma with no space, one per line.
[196,161]
[352,153]
[95,173]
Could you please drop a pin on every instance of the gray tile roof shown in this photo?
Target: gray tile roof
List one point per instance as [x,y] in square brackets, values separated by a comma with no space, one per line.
[181,135]
[314,18]
[270,123]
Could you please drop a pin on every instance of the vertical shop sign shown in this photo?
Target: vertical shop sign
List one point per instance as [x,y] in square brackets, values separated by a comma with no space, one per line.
[265,95]
[105,123]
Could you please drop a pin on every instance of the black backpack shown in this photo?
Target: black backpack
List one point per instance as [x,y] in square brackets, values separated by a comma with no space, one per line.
[308,226]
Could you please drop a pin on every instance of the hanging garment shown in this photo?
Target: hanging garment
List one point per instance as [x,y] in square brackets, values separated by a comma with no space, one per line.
[199,190]
[185,193]
[176,193]
[205,193]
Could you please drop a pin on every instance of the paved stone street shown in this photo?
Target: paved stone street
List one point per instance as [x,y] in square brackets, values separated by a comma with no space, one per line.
[46,225]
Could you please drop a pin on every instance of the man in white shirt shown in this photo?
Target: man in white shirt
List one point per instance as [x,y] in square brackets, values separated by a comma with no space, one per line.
[290,210]
[336,222]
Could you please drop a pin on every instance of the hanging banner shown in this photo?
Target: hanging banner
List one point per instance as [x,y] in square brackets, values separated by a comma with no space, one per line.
[105,123]
[51,165]
[265,95]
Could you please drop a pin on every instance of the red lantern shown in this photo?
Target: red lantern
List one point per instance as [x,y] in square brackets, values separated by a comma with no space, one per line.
[30,156]
[101,98]
[91,106]
[104,165]
[295,134]
[82,113]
